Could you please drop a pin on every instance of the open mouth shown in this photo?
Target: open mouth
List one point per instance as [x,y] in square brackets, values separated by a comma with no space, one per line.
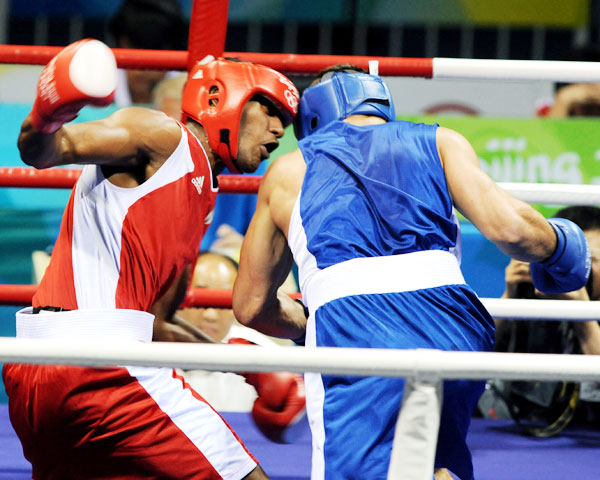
[268,148]
[264,152]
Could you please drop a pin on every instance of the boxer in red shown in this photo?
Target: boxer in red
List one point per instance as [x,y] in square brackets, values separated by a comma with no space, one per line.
[133,223]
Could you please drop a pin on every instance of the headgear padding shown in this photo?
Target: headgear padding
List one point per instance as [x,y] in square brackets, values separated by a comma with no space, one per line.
[216,93]
[342,95]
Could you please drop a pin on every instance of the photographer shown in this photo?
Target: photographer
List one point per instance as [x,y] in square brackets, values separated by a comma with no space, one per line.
[550,404]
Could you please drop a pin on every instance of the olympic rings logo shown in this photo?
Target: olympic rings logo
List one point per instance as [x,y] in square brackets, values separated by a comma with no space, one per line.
[292,100]
[291,94]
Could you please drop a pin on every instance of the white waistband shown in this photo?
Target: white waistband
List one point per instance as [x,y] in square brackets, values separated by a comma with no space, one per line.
[93,324]
[397,273]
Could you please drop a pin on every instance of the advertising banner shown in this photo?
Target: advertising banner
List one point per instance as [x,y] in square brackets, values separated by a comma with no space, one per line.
[536,150]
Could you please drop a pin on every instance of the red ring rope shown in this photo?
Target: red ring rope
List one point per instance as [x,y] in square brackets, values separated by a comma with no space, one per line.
[307,64]
[66,178]
[177,60]
[17,295]
[126,57]
[20,295]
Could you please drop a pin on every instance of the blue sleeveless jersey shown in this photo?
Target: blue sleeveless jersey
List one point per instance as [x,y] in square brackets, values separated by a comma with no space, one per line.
[370,233]
[374,191]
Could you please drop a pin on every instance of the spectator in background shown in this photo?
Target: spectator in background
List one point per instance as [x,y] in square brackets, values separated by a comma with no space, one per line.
[576,99]
[217,271]
[166,95]
[146,24]
[223,390]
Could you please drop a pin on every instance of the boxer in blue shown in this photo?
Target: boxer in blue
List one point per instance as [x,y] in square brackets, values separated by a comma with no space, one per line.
[365,207]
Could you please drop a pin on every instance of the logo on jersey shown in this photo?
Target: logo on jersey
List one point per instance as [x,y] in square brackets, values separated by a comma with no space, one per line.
[198,182]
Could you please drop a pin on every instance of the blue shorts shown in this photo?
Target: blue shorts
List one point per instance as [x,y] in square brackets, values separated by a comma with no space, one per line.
[354,418]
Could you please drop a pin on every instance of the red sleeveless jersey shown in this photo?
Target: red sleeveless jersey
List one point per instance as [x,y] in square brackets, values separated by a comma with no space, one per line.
[123,247]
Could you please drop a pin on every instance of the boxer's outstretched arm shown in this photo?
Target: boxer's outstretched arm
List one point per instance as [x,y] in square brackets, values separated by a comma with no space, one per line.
[265,262]
[557,248]
[513,225]
[129,137]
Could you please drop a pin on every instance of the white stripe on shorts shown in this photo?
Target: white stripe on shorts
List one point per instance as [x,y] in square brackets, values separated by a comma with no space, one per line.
[197,420]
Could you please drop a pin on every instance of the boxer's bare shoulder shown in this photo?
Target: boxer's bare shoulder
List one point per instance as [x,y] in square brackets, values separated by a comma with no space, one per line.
[281,185]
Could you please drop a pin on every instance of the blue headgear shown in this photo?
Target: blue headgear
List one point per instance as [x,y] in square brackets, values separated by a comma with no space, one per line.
[338,97]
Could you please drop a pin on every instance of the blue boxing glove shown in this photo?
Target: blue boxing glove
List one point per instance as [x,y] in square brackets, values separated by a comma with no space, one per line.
[568,268]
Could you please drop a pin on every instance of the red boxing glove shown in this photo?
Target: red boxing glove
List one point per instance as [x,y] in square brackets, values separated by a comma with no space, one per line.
[84,73]
[280,406]
[281,402]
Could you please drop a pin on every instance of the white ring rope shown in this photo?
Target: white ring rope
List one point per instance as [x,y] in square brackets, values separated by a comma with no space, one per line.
[516,70]
[516,309]
[422,364]
[554,194]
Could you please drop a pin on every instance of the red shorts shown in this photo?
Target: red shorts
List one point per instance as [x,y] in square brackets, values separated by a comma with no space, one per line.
[119,423]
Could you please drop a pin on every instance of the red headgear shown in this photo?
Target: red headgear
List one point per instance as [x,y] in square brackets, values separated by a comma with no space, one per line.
[215,95]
